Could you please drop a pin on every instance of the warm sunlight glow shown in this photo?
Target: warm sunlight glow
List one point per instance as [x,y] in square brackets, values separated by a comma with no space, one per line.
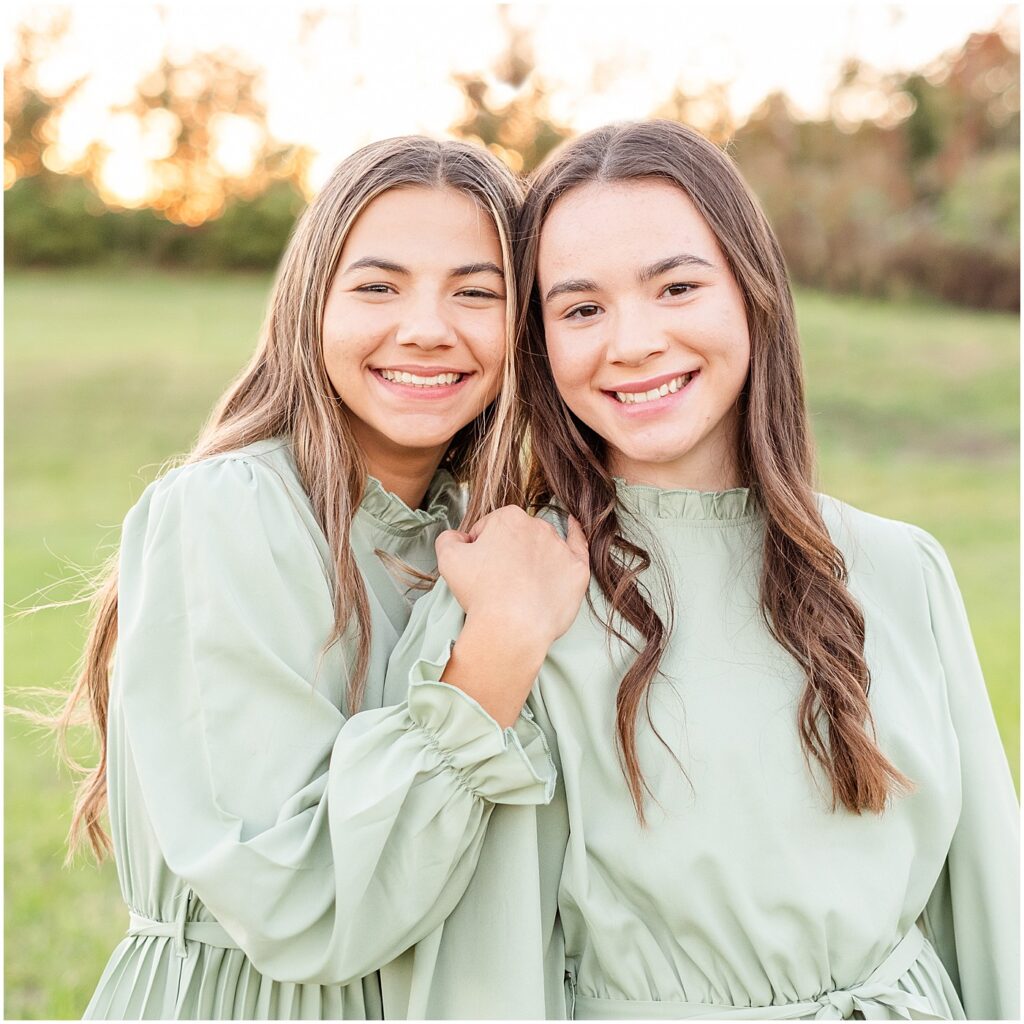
[125,178]
[337,75]
[235,143]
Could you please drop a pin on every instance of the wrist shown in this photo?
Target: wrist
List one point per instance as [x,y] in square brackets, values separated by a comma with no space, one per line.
[521,640]
[496,664]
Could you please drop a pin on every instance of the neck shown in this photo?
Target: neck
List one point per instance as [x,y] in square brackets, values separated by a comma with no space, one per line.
[711,466]
[409,476]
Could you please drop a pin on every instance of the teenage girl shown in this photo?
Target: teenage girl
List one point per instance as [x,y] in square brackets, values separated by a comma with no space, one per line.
[279,835]
[782,792]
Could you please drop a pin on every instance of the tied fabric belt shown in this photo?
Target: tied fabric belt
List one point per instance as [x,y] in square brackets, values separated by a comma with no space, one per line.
[878,997]
[181,929]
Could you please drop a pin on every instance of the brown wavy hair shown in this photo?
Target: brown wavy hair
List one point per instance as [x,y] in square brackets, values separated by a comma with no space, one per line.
[285,390]
[803,594]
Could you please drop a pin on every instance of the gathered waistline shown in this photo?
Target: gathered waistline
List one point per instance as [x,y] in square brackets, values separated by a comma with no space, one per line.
[181,929]
[877,992]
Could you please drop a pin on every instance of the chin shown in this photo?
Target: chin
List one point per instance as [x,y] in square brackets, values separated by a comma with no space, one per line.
[420,442]
[655,455]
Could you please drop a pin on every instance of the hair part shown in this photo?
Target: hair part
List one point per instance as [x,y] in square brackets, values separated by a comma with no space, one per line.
[286,390]
[803,594]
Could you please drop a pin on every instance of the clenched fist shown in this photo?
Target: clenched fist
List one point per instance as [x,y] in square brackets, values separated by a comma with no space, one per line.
[521,586]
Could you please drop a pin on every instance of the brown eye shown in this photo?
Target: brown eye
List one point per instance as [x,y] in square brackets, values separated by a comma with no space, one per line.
[584,312]
[678,289]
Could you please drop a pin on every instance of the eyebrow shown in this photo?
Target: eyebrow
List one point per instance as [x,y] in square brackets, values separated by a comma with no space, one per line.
[573,285]
[645,274]
[477,268]
[377,263]
[684,259]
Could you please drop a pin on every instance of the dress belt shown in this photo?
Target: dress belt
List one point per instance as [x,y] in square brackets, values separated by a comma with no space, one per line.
[876,998]
[181,929]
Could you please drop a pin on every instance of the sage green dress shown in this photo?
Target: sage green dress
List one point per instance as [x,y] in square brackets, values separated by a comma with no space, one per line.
[274,853]
[747,896]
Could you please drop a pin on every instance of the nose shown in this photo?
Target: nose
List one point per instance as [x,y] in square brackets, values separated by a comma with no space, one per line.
[634,339]
[424,325]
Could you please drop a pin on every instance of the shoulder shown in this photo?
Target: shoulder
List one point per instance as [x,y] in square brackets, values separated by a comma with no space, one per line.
[876,546]
[226,493]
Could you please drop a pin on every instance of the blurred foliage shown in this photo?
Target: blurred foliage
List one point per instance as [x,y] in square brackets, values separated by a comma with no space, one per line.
[909,180]
[508,108]
[907,201]
[53,220]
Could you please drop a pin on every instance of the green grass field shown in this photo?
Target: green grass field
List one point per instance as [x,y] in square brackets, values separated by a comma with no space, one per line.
[108,375]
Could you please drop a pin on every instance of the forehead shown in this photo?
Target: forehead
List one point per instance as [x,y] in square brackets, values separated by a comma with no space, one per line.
[442,220]
[622,223]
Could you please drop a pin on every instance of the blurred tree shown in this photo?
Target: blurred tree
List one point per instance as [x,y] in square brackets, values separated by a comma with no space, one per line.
[197,128]
[909,180]
[709,113]
[507,108]
[29,113]
[202,146]
[209,120]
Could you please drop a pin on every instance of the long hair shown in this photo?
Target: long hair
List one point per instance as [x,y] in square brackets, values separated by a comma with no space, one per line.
[803,594]
[285,390]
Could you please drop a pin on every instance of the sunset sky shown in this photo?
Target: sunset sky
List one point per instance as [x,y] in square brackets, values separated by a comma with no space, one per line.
[352,72]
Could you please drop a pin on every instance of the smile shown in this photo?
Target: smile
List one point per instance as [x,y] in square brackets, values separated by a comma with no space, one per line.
[668,388]
[436,381]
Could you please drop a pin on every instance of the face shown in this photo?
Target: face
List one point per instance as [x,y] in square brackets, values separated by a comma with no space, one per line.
[414,325]
[646,331]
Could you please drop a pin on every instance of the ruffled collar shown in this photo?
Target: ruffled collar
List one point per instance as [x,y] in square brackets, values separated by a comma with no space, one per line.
[390,511]
[735,505]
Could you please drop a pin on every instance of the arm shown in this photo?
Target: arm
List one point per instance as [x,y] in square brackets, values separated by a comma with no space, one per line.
[325,847]
[505,925]
[971,917]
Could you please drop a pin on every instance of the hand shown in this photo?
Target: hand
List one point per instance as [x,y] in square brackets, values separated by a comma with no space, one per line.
[521,586]
[515,568]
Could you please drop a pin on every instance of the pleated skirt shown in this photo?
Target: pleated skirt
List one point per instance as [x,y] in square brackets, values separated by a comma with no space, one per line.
[146,979]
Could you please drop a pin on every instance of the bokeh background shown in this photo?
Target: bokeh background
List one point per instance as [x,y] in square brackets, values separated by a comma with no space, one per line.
[156,157]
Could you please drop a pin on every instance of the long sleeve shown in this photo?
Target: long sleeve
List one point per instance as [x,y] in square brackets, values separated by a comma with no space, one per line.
[505,925]
[325,847]
[972,916]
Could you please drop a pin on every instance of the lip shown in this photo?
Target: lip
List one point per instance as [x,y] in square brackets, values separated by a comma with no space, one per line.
[647,385]
[420,371]
[413,392]
[655,407]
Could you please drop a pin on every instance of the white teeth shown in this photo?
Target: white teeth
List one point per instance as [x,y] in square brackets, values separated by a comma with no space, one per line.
[403,377]
[674,385]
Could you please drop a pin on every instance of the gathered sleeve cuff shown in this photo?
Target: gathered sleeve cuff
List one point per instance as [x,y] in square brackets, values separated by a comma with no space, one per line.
[505,766]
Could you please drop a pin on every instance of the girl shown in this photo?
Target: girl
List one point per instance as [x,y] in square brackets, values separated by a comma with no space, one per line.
[783,794]
[274,847]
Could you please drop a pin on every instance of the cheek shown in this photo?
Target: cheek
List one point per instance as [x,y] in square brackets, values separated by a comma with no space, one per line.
[741,352]
[489,340]
[570,364]
[353,332]
[340,357]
